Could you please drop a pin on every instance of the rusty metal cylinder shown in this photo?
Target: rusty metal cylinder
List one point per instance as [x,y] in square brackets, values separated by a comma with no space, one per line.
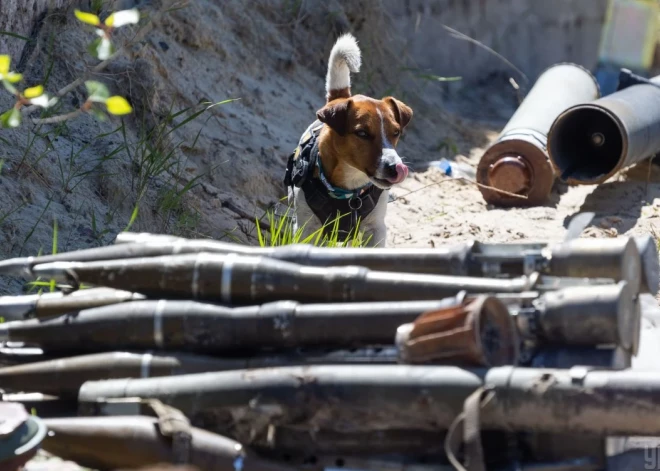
[584,316]
[597,402]
[518,162]
[130,442]
[238,279]
[477,332]
[591,141]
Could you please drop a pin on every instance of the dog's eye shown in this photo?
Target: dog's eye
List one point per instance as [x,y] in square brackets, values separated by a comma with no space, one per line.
[362,134]
[396,133]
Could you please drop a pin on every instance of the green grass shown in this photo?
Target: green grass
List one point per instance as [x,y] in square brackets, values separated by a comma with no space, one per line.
[282,233]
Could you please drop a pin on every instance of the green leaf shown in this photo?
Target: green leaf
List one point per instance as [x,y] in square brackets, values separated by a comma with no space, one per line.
[10,88]
[134,216]
[10,119]
[97,91]
[14,35]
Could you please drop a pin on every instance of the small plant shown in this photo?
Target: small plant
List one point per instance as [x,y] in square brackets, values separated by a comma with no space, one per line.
[282,233]
[101,48]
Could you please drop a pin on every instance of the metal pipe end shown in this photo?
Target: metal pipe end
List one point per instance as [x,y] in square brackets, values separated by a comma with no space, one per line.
[517,165]
[628,317]
[648,250]
[587,144]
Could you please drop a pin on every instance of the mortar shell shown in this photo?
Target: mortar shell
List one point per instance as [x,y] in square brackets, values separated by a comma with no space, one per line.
[518,161]
[589,142]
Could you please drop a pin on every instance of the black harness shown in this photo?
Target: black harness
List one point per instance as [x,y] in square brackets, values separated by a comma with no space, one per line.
[304,171]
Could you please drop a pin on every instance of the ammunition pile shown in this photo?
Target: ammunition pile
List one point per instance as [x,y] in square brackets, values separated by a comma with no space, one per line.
[564,129]
[222,356]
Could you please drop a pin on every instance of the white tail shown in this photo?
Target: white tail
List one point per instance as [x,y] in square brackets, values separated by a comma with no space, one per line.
[345,58]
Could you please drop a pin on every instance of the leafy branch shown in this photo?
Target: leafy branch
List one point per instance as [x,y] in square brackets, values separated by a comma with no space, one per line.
[99,100]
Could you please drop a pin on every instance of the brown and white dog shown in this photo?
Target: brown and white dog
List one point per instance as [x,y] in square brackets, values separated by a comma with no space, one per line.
[355,147]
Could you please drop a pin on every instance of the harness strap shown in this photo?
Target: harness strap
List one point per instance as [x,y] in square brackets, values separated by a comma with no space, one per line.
[172,423]
[325,201]
[466,430]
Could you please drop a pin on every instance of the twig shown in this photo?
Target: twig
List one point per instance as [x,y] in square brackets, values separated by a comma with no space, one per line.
[467,180]
[58,119]
[465,37]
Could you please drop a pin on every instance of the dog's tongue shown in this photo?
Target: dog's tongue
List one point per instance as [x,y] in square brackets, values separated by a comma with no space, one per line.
[401,174]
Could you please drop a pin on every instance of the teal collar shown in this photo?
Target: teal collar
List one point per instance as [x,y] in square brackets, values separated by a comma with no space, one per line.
[335,192]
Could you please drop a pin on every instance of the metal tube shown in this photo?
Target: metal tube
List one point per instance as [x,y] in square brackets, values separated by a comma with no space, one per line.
[237,279]
[53,304]
[518,162]
[586,316]
[201,327]
[408,397]
[589,142]
[442,260]
[63,377]
[616,258]
[115,442]
[468,259]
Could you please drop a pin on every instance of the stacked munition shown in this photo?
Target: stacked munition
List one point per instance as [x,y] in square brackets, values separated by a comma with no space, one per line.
[564,129]
[518,161]
[224,356]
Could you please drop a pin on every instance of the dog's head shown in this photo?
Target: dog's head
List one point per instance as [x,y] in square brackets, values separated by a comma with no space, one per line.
[365,134]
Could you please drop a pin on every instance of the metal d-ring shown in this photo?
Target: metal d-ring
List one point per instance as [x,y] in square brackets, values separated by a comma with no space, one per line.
[355,203]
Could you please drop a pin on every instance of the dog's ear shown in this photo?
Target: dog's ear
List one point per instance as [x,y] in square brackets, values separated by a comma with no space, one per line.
[402,112]
[335,115]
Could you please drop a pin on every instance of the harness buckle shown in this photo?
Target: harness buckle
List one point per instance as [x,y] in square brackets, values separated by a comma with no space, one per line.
[355,203]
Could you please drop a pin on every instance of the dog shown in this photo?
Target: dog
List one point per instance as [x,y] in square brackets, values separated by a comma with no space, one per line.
[346,161]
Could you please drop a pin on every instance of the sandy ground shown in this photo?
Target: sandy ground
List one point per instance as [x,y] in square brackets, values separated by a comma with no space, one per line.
[431,209]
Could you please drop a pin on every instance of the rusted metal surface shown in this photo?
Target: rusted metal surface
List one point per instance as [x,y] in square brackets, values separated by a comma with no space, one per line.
[475,332]
[591,141]
[341,398]
[518,162]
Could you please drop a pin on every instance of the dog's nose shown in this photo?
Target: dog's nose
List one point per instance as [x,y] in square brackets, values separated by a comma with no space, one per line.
[396,173]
